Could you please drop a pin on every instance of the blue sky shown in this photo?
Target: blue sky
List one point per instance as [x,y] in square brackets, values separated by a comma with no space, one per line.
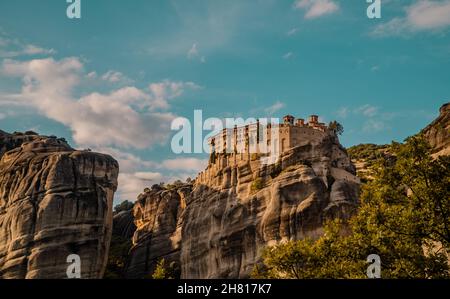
[113,80]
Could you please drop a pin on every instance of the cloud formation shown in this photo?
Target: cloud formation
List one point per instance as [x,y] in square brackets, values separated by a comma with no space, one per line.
[292,31]
[423,15]
[136,174]
[186,164]
[194,53]
[12,48]
[277,106]
[127,117]
[316,8]
[115,77]
[163,92]
[288,55]
[115,122]
[372,120]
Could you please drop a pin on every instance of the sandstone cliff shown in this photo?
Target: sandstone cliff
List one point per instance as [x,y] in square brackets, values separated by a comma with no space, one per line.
[217,226]
[123,224]
[438,132]
[54,202]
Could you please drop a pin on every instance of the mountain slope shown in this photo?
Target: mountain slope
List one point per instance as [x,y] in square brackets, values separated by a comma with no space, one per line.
[437,134]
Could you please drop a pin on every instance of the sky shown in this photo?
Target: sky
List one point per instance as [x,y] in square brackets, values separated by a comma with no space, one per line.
[114,80]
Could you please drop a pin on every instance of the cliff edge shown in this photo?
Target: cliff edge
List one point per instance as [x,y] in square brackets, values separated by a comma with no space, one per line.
[54,202]
[438,132]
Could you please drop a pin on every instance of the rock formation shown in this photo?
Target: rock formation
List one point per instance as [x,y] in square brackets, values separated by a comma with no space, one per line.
[438,132]
[123,231]
[123,224]
[217,226]
[54,202]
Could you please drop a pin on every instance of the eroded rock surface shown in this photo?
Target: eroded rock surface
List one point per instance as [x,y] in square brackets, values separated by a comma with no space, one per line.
[54,202]
[217,226]
[123,224]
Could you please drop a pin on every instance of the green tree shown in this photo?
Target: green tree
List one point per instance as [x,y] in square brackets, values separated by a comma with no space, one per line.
[336,127]
[257,184]
[164,271]
[403,217]
[124,206]
[327,257]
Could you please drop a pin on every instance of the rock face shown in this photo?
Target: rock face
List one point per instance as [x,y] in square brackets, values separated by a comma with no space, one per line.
[438,132]
[217,226]
[54,202]
[158,217]
[123,224]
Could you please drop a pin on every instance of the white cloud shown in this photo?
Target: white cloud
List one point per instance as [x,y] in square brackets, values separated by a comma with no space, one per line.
[134,176]
[277,106]
[372,120]
[374,125]
[92,75]
[132,183]
[111,122]
[215,26]
[35,50]
[187,164]
[316,8]
[367,110]
[421,16]
[288,55]
[115,77]
[343,112]
[130,186]
[194,53]
[126,117]
[149,176]
[292,32]
[11,48]
[129,163]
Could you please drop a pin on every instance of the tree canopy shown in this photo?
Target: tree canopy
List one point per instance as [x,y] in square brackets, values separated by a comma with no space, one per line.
[336,127]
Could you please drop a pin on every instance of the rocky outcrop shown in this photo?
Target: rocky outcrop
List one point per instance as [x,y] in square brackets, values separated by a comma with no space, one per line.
[438,132]
[158,215]
[54,202]
[218,226]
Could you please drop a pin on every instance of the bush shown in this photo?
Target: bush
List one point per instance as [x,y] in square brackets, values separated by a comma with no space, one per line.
[164,271]
[257,184]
